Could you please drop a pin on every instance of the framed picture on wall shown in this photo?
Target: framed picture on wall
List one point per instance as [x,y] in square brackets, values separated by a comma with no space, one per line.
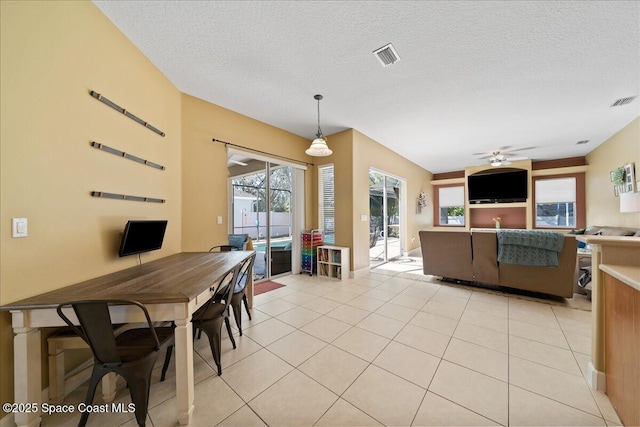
[629,185]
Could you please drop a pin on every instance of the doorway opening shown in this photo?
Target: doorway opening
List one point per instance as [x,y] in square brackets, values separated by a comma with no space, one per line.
[263,205]
[386,226]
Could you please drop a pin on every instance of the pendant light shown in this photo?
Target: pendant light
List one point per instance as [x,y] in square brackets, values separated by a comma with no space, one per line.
[319,146]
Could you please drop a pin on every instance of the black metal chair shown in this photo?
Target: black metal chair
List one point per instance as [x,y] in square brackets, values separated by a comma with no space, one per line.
[209,318]
[131,354]
[239,294]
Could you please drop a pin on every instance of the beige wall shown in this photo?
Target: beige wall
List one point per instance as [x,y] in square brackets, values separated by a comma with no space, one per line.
[204,179]
[368,153]
[603,208]
[353,154]
[341,144]
[52,55]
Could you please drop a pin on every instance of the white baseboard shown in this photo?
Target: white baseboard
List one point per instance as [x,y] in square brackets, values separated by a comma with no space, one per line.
[360,273]
[597,379]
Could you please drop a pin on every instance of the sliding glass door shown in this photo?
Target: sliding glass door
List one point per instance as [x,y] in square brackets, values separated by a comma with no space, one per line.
[262,206]
[280,237]
[385,225]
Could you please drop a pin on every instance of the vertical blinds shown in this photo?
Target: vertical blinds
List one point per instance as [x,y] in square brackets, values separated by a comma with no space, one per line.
[326,202]
[451,196]
[556,190]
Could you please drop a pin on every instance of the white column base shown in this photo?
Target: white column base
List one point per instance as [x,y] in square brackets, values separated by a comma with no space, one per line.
[597,379]
[184,364]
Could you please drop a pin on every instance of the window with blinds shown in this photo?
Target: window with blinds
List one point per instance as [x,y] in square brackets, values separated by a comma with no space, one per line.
[451,205]
[555,202]
[326,217]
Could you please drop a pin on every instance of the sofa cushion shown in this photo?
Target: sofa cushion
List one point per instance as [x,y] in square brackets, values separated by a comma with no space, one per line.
[238,240]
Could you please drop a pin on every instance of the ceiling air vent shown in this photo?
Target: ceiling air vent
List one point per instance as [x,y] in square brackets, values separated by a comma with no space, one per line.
[387,55]
[584,141]
[624,101]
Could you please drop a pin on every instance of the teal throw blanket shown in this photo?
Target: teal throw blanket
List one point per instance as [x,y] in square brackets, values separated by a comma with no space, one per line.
[530,247]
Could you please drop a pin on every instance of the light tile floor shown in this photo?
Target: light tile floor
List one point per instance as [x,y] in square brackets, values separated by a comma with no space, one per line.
[390,348]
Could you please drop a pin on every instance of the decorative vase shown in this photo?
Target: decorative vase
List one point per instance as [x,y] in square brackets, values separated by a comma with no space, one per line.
[497,224]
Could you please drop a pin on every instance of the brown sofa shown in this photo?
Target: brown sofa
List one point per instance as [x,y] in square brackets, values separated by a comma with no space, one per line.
[472,257]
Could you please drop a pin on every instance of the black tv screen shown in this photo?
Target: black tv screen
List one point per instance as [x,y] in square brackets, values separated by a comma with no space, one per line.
[142,236]
[498,186]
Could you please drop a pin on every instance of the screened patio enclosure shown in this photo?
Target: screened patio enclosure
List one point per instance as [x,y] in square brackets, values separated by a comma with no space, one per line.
[385,213]
[262,204]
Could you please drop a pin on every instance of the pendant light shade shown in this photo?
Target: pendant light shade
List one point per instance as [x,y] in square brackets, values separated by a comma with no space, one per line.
[319,146]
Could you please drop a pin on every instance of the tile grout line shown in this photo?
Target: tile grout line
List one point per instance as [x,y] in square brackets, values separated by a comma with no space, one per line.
[578,363]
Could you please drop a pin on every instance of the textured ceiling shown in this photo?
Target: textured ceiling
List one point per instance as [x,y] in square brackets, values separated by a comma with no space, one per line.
[473,76]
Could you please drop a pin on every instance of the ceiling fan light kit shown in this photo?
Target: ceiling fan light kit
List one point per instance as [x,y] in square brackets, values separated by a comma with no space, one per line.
[502,156]
[319,147]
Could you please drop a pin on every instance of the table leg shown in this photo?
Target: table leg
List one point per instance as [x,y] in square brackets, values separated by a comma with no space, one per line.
[27,369]
[184,369]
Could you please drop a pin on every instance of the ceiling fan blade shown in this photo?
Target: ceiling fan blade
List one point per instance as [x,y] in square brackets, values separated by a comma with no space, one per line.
[506,163]
[520,149]
[516,158]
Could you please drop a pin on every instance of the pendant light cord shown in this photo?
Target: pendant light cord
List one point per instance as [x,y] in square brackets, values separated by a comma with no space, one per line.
[319,134]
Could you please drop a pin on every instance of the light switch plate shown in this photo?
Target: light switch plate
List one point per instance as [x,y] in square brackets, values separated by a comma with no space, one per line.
[363,217]
[219,219]
[19,227]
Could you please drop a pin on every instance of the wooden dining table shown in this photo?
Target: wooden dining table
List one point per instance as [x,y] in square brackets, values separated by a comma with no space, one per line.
[172,289]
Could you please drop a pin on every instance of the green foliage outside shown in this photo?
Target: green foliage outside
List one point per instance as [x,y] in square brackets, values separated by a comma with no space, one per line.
[255,184]
[456,211]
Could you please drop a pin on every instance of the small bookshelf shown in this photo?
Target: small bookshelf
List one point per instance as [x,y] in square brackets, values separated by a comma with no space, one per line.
[333,262]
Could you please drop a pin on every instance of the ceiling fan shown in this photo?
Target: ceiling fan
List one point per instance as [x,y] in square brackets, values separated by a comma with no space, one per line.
[502,156]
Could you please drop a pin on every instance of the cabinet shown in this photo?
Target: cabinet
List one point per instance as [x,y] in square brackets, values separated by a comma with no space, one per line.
[622,347]
[333,262]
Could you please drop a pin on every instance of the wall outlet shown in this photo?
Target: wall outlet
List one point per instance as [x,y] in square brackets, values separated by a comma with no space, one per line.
[363,218]
[19,227]
[219,219]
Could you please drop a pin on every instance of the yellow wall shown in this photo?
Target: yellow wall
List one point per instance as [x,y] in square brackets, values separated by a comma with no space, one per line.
[368,153]
[52,55]
[603,208]
[341,144]
[353,154]
[204,178]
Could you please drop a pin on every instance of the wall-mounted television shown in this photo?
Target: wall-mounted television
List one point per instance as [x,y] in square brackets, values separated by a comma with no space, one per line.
[142,236]
[504,185]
